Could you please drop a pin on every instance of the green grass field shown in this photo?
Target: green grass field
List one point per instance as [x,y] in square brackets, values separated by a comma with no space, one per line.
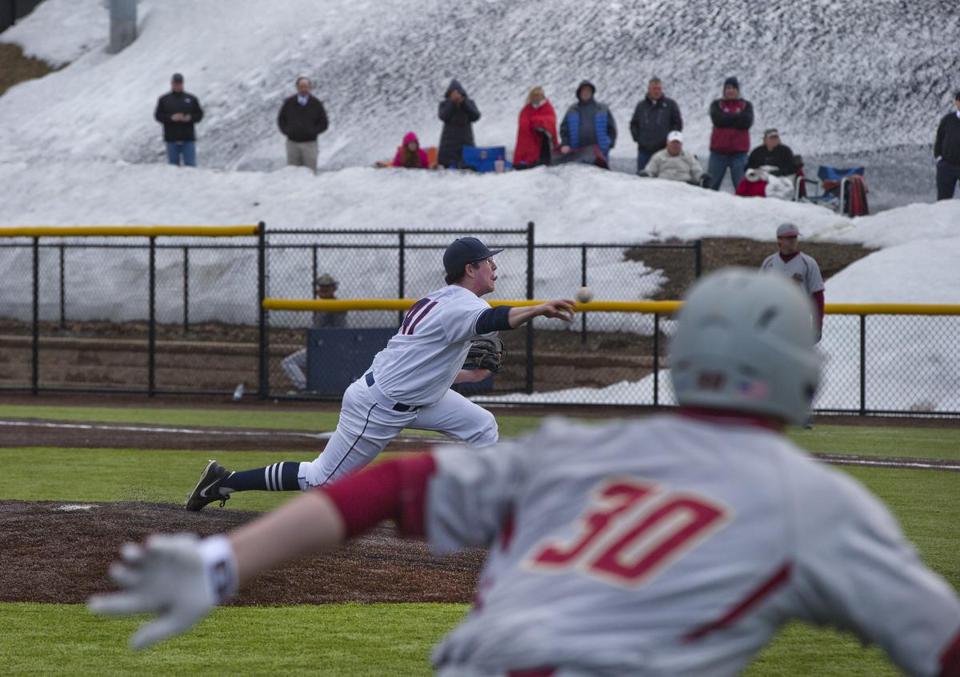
[380,639]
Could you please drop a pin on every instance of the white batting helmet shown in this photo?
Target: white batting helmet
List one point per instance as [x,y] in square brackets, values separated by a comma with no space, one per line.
[745,341]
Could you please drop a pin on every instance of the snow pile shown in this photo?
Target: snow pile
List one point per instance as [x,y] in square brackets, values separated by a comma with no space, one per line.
[81,146]
[830,76]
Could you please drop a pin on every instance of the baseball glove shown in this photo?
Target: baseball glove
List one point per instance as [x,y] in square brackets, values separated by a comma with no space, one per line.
[485,353]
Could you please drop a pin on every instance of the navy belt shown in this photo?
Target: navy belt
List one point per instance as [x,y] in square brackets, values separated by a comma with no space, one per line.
[397,406]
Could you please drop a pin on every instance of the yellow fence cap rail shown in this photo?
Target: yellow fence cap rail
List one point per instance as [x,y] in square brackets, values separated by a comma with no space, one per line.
[663,307]
[402,304]
[891,309]
[129,231]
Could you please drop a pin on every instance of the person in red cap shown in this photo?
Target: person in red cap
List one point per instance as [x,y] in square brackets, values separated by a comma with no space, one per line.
[800,267]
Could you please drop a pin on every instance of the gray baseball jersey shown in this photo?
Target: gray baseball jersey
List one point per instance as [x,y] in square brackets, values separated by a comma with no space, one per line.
[802,269]
[671,546]
[422,359]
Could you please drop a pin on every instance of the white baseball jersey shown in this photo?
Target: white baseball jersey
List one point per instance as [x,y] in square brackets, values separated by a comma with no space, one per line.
[802,269]
[423,358]
[671,546]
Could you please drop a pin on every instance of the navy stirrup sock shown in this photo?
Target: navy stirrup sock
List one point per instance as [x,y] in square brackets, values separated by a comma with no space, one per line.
[276,477]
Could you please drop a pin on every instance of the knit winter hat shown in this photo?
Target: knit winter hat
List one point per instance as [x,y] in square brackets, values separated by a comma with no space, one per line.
[731,82]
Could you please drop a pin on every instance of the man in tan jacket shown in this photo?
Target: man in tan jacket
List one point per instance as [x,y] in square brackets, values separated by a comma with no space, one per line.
[674,163]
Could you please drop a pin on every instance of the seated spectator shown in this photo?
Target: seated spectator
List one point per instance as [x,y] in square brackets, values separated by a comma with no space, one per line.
[673,163]
[773,154]
[295,364]
[409,155]
[588,124]
[536,132]
[762,182]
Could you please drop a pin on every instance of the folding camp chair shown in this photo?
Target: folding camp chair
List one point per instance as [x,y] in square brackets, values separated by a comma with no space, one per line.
[842,190]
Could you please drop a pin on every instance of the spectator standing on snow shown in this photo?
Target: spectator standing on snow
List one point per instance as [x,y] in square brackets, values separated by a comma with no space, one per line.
[732,118]
[674,163]
[536,131]
[588,123]
[458,112]
[654,117]
[772,153]
[946,149]
[178,111]
[302,119]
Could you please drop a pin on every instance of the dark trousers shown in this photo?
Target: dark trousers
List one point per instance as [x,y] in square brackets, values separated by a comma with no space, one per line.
[947,176]
[643,157]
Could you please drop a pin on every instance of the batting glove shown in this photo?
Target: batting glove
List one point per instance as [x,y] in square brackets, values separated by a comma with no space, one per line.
[176,577]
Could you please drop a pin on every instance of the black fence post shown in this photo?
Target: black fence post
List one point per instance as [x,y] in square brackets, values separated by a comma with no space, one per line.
[263,389]
[316,270]
[152,321]
[35,343]
[583,283]
[863,365]
[401,270]
[63,288]
[530,291]
[697,258]
[656,359]
[186,290]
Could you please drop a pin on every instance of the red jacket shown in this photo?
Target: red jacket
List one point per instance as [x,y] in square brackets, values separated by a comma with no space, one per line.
[732,120]
[534,121]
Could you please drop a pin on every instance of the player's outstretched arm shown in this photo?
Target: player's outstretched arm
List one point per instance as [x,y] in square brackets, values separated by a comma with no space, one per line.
[179,578]
[560,309]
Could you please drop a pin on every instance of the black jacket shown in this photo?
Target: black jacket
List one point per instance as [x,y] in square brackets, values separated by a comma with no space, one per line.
[653,120]
[178,102]
[780,157]
[458,122]
[947,144]
[302,123]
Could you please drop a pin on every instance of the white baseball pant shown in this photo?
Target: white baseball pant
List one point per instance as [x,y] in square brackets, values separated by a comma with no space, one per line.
[368,423]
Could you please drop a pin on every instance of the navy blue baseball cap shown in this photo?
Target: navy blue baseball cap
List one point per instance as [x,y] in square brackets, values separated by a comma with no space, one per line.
[465,250]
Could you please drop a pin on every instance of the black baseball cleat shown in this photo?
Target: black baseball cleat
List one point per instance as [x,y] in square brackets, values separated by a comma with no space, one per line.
[208,488]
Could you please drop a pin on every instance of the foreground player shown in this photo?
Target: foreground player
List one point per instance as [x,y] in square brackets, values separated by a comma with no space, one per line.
[675,545]
[408,384]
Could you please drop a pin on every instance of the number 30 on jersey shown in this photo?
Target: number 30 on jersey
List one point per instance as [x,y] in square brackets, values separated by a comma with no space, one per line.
[630,531]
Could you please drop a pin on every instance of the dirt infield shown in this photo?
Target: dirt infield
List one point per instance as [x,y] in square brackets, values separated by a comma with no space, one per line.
[59,553]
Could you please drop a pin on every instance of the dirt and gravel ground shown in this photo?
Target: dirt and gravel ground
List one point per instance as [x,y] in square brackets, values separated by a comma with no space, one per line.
[59,552]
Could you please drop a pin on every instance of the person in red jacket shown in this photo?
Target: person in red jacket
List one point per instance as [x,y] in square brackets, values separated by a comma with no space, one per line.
[732,118]
[536,132]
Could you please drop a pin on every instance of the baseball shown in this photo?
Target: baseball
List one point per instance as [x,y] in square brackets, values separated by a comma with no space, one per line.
[584,295]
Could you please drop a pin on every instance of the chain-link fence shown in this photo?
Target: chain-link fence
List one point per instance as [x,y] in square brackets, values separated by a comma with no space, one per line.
[151,314]
[366,264]
[178,314]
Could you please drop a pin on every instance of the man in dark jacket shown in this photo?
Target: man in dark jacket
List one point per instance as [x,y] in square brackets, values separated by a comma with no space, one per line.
[302,119]
[178,111]
[946,149]
[588,123]
[654,117]
[458,112]
[773,154]
[732,118]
